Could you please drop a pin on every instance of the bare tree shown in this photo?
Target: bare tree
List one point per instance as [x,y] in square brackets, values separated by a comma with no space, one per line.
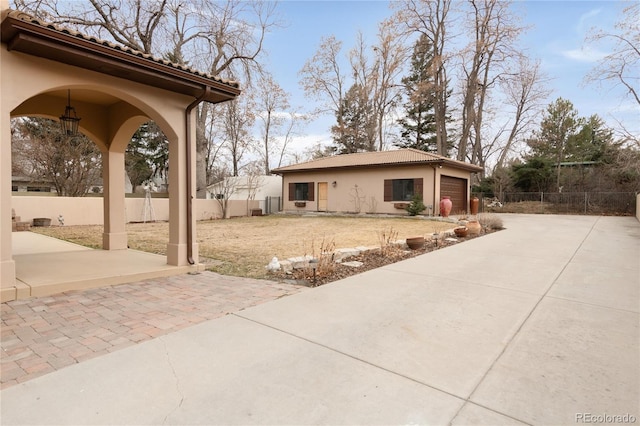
[485,60]
[360,97]
[524,91]
[222,192]
[294,122]
[433,19]
[322,78]
[71,163]
[272,101]
[380,77]
[238,118]
[622,65]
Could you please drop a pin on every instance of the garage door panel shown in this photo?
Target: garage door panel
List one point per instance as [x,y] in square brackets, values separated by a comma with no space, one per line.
[456,188]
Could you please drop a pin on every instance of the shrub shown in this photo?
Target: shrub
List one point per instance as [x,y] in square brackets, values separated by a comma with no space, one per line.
[490,221]
[416,206]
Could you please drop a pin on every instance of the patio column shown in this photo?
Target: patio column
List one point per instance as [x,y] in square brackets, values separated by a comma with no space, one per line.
[113,172]
[177,246]
[7,265]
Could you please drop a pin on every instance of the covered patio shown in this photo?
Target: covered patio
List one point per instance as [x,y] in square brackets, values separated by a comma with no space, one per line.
[45,68]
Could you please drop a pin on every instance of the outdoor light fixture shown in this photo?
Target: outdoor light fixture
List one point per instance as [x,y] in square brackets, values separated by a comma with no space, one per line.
[334,184]
[313,264]
[69,121]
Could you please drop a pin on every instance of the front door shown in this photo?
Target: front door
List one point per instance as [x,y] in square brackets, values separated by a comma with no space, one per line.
[322,196]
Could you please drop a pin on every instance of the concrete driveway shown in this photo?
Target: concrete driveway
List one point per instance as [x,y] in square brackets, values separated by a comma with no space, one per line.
[537,324]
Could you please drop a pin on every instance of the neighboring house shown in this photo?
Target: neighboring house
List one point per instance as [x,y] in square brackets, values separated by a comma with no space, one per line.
[26,184]
[376,182]
[246,188]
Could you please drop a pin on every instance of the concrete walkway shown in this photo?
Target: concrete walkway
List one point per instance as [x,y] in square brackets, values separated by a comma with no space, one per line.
[537,324]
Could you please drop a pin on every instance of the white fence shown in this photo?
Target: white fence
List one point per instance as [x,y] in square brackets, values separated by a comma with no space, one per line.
[89,210]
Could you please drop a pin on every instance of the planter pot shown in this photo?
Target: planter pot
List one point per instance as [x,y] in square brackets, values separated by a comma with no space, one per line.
[445,206]
[415,243]
[41,221]
[473,205]
[474,227]
[461,231]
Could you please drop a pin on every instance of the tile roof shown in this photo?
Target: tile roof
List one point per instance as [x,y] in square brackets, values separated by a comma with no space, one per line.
[379,158]
[25,17]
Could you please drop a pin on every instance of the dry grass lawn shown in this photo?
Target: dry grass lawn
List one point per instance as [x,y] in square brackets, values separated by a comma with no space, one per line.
[244,246]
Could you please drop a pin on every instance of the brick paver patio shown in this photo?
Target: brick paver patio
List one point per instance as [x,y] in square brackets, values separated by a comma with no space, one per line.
[44,334]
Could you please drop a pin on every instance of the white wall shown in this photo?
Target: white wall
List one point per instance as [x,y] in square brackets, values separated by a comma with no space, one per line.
[267,186]
[88,210]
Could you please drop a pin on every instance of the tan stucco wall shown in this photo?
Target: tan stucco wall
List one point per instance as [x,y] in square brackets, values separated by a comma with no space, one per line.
[110,109]
[370,188]
[88,210]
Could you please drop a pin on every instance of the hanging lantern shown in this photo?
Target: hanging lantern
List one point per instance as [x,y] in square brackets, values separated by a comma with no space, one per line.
[69,121]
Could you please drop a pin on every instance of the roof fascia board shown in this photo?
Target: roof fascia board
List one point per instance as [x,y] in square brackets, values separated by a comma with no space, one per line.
[456,165]
[360,166]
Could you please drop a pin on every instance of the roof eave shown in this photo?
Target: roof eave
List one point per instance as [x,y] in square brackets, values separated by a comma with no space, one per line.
[458,165]
[33,39]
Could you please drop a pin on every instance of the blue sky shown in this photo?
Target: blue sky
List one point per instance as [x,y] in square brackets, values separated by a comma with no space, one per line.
[556,38]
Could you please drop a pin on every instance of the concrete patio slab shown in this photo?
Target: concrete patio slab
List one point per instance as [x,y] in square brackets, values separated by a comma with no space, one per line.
[32,243]
[472,414]
[533,276]
[613,287]
[443,333]
[570,358]
[193,377]
[46,266]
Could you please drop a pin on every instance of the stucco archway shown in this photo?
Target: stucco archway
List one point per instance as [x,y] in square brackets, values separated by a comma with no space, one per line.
[114,90]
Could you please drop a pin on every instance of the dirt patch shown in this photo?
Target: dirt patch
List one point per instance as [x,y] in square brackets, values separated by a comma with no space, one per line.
[329,272]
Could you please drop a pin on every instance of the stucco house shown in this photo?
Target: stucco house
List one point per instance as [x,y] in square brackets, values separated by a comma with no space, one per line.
[376,182]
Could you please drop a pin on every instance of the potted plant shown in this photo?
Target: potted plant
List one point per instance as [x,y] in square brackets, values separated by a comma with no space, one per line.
[461,231]
[415,243]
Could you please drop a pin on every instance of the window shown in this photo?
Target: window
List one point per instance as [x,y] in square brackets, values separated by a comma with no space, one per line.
[402,189]
[301,191]
[38,189]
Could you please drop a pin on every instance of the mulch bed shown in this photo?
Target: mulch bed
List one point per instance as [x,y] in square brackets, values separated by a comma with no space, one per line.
[370,260]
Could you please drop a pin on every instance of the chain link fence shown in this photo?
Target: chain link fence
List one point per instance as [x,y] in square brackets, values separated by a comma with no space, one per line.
[589,203]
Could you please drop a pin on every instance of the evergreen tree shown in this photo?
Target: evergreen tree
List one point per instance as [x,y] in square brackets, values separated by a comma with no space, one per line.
[356,133]
[558,130]
[147,154]
[418,125]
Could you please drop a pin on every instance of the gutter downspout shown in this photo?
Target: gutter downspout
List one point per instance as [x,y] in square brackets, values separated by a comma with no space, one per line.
[191,106]
[435,166]
[434,189]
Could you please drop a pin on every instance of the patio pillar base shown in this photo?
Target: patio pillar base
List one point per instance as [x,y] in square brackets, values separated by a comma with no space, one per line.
[7,280]
[114,241]
[177,254]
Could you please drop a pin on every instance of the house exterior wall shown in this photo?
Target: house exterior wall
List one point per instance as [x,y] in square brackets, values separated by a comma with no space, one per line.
[362,190]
